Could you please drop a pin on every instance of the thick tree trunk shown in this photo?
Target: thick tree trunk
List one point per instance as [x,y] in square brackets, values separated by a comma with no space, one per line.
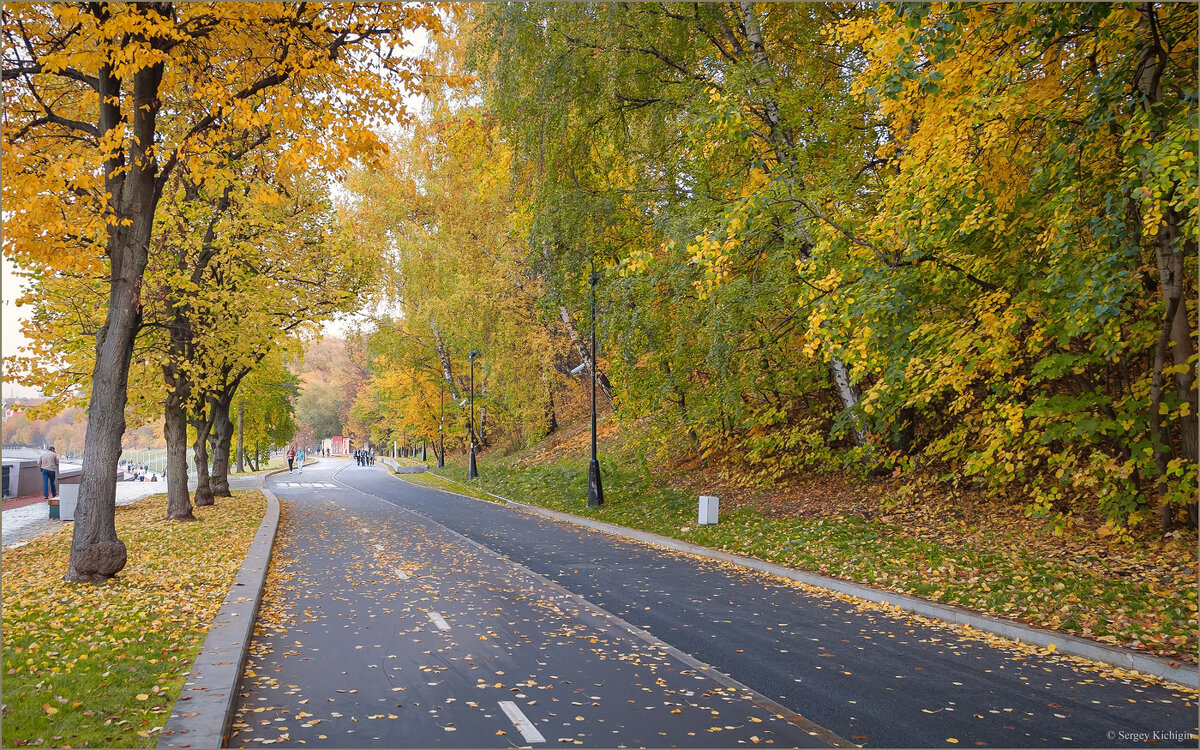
[581,348]
[204,492]
[96,552]
[1161,444]
[222,440]
[179,502]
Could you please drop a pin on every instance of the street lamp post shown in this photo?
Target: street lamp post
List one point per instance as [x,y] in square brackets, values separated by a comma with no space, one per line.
[472,471]
[595,489]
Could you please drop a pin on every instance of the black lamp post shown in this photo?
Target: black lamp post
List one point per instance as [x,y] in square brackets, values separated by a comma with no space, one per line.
[595,489]
[472,471]
[441,426]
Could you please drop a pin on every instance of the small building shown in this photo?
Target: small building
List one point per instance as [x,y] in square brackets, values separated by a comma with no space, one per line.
[337,446]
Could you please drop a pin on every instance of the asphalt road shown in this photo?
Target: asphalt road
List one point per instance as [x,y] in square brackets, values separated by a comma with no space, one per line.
[858,675]
[384,629]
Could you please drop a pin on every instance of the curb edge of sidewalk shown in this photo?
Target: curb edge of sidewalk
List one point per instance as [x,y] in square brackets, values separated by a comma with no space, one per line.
[210,689]
[1064,643]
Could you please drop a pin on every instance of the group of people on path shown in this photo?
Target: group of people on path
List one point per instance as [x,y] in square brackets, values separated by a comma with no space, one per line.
[295,459]
[364,457]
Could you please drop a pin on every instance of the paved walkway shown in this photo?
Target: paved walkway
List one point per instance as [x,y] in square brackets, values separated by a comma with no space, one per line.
[381,628]
[401,616]
[30,519]
[23,523]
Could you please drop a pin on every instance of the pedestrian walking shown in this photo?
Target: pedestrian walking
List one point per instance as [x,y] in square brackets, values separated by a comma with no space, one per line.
[48,460]
[291,457]
[300,460]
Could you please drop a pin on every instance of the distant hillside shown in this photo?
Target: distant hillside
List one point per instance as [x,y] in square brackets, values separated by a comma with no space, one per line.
[66,431]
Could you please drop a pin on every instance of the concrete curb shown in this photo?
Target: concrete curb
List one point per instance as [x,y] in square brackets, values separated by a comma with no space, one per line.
[201,716]
[401,468]
[1064,643]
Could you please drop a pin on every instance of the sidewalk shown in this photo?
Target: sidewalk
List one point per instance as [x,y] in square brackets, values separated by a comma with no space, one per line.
[23,521]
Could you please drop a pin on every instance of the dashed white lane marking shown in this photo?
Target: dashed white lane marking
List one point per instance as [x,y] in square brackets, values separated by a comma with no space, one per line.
[379,547]
[523,725]
[401,575]
[306,484]
[438,620]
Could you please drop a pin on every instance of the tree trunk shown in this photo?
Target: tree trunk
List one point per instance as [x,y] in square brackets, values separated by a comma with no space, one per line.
[179,502]
[222,439]
[444,359]
[482,414]
[849,397]
[240,426]
[1160,443]
[96,552]
[551,417]
[781,142]
[1169,247]
[585,354]
[204,492]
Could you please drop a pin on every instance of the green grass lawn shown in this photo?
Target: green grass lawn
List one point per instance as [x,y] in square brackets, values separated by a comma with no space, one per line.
[101,666]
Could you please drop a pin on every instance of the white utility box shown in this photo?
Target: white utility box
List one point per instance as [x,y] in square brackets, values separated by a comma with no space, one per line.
[68,499]
[708,510]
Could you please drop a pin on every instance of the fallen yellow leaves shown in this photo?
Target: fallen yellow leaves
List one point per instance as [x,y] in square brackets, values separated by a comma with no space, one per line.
[128,644]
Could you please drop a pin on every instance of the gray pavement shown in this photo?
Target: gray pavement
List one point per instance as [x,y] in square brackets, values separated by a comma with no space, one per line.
[390,630]
[875,678]
[19,525]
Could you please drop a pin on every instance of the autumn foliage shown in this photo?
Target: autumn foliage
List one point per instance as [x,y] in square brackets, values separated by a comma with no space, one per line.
[951,244]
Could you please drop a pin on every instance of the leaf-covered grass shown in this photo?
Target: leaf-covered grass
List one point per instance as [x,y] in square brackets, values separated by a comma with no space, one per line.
[101,666]
[1142,596]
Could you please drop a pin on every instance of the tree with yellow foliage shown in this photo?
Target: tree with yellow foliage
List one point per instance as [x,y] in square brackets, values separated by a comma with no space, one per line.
[103,101]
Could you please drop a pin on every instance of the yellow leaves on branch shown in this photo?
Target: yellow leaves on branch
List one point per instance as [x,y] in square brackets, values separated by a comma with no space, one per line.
[305,74]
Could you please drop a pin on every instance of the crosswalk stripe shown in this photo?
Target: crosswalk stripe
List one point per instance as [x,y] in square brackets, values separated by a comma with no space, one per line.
[438,620]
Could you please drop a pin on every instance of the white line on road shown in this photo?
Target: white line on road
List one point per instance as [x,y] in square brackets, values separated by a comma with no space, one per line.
[438,620]
[523,725]
[401,575]
[379,547]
